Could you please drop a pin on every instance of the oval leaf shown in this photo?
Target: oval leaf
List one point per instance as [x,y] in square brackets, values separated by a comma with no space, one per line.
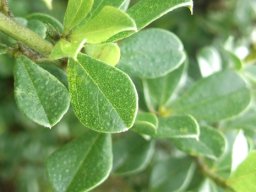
[178,127]
[106,24]
[151,53]
[214,98]
[39,94]
[104,98]
[82,164]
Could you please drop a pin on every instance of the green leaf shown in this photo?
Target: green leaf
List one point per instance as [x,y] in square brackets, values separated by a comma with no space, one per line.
[46,19]
[214,98]
[39,94]
[76,12]
[172,174]
[146,124]
[99,4]
[145,12]
[158,91]
[151,53]
[211,144]
[57,72]
[64,48]
[106,24]
[243,179]
[132,154]
[104,98]
[107,52]
[245,121]
[38,27]
[82,164]
[178,127]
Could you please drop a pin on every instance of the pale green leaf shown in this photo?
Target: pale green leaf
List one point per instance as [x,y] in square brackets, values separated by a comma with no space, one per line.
[76,12]
[48,3]
[39,94]
[243,179]
[64,48]
[211,144]
[151,53]
[158,91]
[172,174]
[178,127]
[107,23]
[214,98]
[82,164]
[107,52]
[104,98]
[99,4]
[146,124]
[132,154]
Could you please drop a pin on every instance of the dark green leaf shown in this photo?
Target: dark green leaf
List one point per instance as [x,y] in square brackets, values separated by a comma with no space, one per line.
[214,98]
[132,154]
[47,19]
[82,164]
[39,94]
[104,98]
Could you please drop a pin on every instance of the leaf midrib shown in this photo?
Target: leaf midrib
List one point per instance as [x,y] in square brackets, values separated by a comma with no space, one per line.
[83,160]
[37,94]
[95,83]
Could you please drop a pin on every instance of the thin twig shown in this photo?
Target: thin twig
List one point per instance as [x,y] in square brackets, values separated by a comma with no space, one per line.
[210,174]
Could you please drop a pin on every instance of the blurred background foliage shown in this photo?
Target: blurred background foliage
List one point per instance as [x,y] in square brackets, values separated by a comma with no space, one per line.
[24,146]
